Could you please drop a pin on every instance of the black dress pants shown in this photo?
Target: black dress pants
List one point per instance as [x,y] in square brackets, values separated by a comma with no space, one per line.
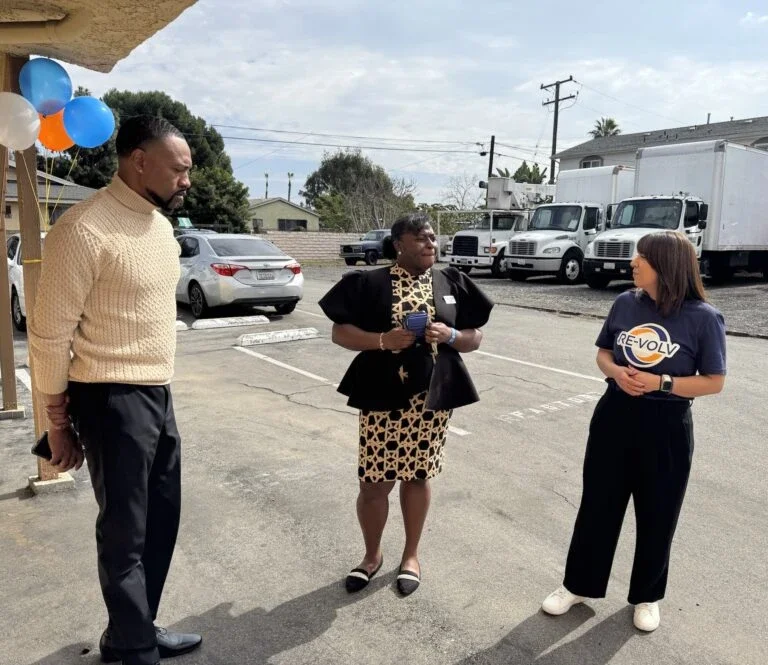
[133,451]
[637,447]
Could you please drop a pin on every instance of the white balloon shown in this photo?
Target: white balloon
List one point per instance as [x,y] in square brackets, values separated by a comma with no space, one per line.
[19,122]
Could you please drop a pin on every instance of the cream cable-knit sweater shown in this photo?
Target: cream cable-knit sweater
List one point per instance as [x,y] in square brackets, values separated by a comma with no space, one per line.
[107,294]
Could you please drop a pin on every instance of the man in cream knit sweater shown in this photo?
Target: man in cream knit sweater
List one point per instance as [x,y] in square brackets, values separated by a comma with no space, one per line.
[102,338]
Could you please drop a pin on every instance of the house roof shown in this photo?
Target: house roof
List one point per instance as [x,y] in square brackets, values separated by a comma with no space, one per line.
[734,130]
[49,188]
[96,34]
[260,203]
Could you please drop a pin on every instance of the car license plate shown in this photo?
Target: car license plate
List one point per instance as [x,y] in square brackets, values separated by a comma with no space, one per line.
[609,266]
[520,262]
[265,275]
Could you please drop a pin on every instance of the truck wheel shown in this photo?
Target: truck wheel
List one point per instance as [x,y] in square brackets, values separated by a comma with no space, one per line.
[517,275]
[719,271]
[371,257]
[465,269]
[597,281]
[350,262]
[19,320]
[497,269]
[570,269]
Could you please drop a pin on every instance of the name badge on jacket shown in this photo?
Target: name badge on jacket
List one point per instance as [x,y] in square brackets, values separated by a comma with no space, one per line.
[449,300]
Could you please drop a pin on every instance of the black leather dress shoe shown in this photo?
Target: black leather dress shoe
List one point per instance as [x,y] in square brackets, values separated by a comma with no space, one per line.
[168,645]
[176,644]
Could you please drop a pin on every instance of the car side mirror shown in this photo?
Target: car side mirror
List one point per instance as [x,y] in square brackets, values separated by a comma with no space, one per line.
[608,215]
[703,225]
[703,213]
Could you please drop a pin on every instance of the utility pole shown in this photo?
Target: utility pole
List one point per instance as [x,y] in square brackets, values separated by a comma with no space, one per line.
[490,157]
[556,101]
[266,185]
[490,167]
[290,178]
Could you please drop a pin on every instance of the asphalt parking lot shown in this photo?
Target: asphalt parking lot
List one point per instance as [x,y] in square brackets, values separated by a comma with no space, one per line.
[269,531]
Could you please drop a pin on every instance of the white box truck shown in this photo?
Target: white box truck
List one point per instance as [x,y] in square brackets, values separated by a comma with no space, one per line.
[559,233]
[715,192]
[483,243]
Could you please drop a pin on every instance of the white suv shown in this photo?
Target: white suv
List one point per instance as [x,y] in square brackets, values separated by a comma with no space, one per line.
[16,279]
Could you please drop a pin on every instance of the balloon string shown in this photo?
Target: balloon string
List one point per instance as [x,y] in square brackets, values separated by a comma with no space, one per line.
[72,163]
[31,180]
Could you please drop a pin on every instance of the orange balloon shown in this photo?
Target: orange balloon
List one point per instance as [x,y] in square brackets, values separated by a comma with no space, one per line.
[52,133]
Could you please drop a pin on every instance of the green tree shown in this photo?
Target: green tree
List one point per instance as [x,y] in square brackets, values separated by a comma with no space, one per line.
[530,174]
[605,127]
[351,193]
[216,199]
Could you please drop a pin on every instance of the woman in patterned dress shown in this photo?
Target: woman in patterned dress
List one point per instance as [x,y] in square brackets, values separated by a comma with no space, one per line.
[406,381]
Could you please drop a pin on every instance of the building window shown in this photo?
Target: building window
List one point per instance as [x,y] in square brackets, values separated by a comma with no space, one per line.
[761,143]
[291,224]
[591,162]
[7,211]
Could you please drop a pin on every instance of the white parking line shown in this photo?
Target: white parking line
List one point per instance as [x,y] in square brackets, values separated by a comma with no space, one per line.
[454,430]
[544,367]
[23,376]
[290,368]
[304,311]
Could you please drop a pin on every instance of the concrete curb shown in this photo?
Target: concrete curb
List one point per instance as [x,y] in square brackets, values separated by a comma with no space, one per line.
[63,483]
[230,322]
[180,325]
[277,336]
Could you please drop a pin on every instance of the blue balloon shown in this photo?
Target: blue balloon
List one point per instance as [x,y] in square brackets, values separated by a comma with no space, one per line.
[46,85]
[88,121]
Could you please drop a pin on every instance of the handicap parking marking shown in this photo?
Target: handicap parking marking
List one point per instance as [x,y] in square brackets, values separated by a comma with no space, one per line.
[548,408]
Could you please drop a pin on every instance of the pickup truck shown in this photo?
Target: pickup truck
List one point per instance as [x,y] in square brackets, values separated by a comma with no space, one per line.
[368,249]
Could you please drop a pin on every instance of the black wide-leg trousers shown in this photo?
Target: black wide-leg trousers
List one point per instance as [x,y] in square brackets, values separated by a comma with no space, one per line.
[637,447]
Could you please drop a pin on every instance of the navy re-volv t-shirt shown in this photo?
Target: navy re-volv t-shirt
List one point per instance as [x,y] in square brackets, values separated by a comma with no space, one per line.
[688,343]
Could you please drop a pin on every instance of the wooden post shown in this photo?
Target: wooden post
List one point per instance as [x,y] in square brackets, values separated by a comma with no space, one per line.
[7,360]
[29,223]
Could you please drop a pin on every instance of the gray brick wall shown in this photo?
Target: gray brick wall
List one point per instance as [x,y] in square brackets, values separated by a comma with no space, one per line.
[309,246]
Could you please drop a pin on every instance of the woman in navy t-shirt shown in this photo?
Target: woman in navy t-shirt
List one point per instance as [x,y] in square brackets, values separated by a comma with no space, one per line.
[661,346]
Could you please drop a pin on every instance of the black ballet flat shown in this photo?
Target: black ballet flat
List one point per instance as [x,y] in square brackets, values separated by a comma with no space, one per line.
[407,581]
[359,578]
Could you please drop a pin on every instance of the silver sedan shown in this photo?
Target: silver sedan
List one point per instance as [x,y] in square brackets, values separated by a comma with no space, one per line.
[234,269]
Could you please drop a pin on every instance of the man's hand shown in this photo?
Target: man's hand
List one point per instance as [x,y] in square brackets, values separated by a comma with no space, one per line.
[66,451]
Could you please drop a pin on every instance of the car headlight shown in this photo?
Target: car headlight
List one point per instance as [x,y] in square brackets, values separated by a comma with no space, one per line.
[590,249]
[552,250]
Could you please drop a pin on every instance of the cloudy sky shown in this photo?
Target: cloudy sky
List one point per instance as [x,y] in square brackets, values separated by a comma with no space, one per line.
[433,79]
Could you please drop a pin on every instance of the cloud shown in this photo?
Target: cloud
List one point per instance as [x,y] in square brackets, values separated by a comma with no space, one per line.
[261,65]
[751,18]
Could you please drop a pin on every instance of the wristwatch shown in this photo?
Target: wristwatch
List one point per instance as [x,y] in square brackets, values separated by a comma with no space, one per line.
[666,383]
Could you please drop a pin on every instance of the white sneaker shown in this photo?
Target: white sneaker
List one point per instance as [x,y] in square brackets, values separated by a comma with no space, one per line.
[647,617]
[560,601]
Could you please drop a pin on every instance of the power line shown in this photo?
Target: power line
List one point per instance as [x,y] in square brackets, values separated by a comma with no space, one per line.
[341,145]
[634,106]
[344,136]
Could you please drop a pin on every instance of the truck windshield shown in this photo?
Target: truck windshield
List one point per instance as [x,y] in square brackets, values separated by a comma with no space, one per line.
[649,213]
[556,218]
[500,223]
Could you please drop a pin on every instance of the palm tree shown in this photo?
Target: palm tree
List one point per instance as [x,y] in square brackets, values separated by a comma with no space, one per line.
[605,127]
[290,177]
